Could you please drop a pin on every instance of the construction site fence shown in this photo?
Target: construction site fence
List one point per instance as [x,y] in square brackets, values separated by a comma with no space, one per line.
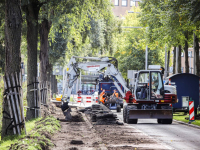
[13,95]
[41,92]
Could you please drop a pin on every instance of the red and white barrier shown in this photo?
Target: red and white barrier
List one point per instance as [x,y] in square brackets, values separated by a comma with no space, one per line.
[88,100]
[191,110]
[79,99]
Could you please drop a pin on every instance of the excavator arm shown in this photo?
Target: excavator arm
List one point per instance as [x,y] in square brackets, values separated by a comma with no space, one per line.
[96,64]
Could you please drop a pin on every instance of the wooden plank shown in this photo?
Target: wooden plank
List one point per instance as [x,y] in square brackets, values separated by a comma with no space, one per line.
[50,95]
[13,104]
[20,90]
[48,91]
[37,97]
[45,93]
[34,95]
[9,105]
[42,94]
[16,96]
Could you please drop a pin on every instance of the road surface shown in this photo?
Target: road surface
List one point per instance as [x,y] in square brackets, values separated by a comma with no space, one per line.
[177,136]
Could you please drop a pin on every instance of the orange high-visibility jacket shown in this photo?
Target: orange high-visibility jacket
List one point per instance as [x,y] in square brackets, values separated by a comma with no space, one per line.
[116,94]
[101,97]
[102,93]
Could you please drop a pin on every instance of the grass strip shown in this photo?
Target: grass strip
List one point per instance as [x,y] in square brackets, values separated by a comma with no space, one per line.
[39,132]
[180,116]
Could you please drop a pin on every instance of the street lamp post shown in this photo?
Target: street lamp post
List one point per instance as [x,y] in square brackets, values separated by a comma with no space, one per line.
[165,74]
[146,52]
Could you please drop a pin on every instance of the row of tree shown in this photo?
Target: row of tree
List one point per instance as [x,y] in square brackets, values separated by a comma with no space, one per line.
[131,45]
[58,29]
[174,24]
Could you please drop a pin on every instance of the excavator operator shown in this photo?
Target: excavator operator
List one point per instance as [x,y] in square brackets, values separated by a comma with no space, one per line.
[115,94]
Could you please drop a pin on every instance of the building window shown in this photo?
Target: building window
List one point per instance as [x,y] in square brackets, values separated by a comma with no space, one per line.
[116,2]
[190,54]
[182,69]
[132,3]
[124,2]
[190,70]
[171,69]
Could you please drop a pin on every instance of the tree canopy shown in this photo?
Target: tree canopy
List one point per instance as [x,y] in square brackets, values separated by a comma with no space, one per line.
[131,45]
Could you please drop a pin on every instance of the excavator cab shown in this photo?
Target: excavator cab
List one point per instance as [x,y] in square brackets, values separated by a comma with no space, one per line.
[149,85]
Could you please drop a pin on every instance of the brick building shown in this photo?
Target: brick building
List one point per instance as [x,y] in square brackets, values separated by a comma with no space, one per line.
[121,6]
[190,61]
[120,9]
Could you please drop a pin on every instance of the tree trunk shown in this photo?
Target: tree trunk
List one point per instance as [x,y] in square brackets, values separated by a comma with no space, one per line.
[179,59]
[13,20]
[174,60]
[49,73]
[196,49]
[32,11]
[44,56]
[168,60]
[54,84]
[186,55]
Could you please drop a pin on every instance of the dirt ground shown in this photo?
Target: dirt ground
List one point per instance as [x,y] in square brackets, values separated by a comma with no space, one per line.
[82,134]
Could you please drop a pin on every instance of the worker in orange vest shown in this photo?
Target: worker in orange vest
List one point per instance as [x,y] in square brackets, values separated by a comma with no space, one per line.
[115,94]
[101,96]
[104,98]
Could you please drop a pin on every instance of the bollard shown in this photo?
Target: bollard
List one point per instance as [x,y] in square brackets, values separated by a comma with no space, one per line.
[191,110]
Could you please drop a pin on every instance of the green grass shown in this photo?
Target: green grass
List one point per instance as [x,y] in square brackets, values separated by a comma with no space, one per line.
[36,138]
[7,141]
[181,117]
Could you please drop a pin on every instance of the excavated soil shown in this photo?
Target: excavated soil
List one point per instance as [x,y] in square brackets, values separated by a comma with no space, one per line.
[82,134]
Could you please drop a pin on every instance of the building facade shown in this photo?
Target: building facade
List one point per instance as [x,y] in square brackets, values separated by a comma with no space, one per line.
[121,6]
[190,61]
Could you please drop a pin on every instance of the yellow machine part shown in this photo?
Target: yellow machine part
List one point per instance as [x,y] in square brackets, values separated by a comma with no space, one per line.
[58,98]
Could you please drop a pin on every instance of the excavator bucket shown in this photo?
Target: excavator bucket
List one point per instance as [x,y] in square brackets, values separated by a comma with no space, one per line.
[150,114]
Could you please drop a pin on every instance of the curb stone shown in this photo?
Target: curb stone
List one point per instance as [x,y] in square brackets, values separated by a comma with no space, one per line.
[187,124]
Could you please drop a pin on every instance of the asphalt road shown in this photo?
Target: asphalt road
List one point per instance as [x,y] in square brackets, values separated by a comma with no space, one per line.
[177,136]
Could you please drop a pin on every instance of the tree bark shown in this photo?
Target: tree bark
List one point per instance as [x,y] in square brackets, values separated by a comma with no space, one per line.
[174,60]
[186,55]
[168,60]
[44,56]
[49,72]
[13,20]
[32,11]
[179,59]
[196,49]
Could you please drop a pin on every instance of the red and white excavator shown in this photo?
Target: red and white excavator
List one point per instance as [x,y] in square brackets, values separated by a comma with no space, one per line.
[149,98]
